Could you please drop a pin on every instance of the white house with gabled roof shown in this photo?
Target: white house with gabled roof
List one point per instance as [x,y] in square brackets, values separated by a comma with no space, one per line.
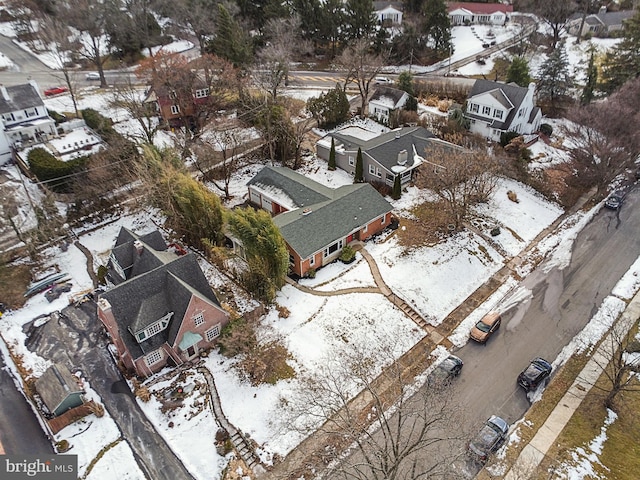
[494,108]
[23,118]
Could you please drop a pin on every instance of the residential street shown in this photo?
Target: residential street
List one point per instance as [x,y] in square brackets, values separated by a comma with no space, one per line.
[21,433]
[563,302]
[77,339]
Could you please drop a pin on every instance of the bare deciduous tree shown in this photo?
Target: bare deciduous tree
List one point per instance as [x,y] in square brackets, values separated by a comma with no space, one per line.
[617,366]
[461,178]
[361,67]
[57,38]
[603,138]
[132,99]
[217,154]
[391,434]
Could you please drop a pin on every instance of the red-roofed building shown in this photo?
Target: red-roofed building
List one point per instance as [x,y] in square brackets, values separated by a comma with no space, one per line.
[469,13]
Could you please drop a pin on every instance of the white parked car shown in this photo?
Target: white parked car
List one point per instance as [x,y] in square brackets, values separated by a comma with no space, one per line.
[383,80]
[93,76]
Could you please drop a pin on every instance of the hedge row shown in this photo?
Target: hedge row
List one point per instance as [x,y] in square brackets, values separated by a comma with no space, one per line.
[47,168]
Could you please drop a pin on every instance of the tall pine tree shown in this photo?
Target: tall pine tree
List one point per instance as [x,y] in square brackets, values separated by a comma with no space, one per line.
[359,176]
[622,63]
[332,155]
[396,193]
[554,80]
[360,19]
[592,80]
[437,27]
[230,42]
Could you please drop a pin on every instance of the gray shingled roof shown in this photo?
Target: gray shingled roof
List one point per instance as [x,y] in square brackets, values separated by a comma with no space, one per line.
[153,254]
[393,93]
[21,97]
[285,182]
[145,298]
[514,93]
[384,148]
[55,385]
[352,207]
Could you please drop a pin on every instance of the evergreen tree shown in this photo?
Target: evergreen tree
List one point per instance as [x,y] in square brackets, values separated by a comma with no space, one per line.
[265,251]
[331,24]
[623,62]
[396,193]
[231,42]
[359,176]
[332,155]
[331,108]
[592,80]
[405,82]
[437,26]
[555,81]
[360,21]
[412,104]
[518,72]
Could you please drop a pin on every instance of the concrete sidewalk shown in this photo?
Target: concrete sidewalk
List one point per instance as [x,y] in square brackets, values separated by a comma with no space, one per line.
[534,452]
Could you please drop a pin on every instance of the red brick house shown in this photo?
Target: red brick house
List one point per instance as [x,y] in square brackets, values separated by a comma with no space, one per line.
[160,309]
[316,222]
[179,109]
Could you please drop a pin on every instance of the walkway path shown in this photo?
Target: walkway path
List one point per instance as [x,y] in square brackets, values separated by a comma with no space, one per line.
[242,445]
[381,287]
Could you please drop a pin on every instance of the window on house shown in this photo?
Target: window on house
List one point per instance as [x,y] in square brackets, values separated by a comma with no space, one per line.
[202,93]
[30,113]
[382,219]
[365,228]
[497,113]
[486,110]
[312,260]
[212,333]
[520,112]
[333,248]
[352,161]
[474,107]
[198,319]
[153,329]
[141,336]
[372,170]
[292,260]
[175,109]
[153,358]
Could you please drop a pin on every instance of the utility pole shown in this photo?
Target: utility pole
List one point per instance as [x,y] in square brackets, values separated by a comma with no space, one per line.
[410,59]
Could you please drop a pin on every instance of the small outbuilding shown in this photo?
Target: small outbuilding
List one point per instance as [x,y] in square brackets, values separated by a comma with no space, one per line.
[59,389]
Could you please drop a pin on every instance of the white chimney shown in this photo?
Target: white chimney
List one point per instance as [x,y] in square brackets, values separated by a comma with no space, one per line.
[138,246]
[402,157]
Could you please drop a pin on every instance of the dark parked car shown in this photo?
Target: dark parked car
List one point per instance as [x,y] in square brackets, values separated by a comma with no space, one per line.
[449,368]
[486,327]
[489,439]
[536,373]
[49,92]
[614,202]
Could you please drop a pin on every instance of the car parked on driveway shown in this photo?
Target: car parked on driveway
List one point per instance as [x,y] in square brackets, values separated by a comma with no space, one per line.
[448,369]
[486,327]
[615,200]
[536,373]
[50,92]
[489,439]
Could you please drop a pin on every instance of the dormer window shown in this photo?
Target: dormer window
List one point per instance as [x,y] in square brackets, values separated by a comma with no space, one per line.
[154,328]
[486,110]
[497,114]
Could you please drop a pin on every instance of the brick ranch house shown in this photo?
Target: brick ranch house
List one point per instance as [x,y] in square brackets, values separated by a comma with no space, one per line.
[160,309]
[316,221]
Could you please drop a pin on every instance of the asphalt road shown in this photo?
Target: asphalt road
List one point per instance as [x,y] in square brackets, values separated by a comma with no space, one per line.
[561,304]
[21,433]
[77,340]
